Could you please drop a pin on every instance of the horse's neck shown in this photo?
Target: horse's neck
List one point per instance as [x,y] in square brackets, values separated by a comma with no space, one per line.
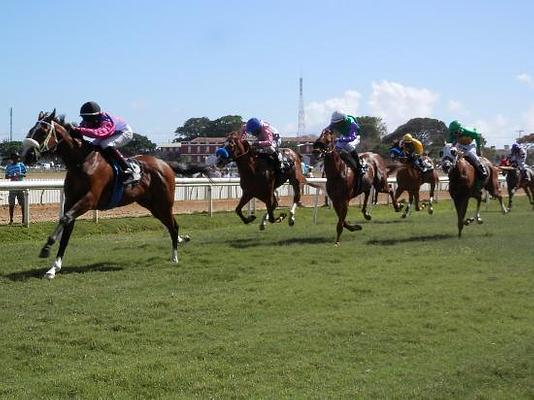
[246,165]
[333,165]
[74,153]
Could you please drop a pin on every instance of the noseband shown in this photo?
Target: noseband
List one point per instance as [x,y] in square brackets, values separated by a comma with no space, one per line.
[43,147]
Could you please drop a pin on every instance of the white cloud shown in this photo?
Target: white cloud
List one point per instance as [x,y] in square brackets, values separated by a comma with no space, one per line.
[138,105]
[526,79]
[497,131]
[318,113]
[396,103]
[454,106]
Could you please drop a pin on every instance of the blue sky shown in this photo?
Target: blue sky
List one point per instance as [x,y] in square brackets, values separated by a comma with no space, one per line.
[159,63]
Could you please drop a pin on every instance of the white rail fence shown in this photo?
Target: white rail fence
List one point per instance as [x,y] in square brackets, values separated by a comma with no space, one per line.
[187,189]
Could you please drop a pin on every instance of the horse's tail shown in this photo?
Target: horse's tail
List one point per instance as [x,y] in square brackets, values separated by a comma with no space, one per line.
[189,170]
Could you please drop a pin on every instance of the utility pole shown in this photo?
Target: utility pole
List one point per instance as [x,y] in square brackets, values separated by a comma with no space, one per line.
[520,132]
[302,118]
[11,124]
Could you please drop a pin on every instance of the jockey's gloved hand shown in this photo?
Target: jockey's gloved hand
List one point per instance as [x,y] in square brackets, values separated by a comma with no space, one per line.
[71,126]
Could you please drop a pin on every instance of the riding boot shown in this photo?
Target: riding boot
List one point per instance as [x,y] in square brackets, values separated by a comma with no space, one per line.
[524,175]
[481,170]
[359,167]
[349,160]
[129,175]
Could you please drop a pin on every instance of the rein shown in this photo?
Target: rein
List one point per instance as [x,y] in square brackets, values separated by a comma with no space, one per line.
[44,147]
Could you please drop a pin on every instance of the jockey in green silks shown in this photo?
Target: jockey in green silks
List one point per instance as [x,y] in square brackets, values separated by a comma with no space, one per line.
[463,139]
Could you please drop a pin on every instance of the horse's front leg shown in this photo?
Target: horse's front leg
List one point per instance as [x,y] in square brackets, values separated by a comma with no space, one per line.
[58,262]
[409,206]
[366,215]
[296,200]
[245,198]
[83,205]
[431,199]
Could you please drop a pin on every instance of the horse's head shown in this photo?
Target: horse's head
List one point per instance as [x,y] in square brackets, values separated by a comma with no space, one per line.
[233,148]
[43,137]
[324,144]
[449,156]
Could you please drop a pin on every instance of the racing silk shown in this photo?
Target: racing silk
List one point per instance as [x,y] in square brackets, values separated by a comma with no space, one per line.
[519,157]
[266,137]
[15,172]
[465,136]
[415,146]
[348,131]
[107,126]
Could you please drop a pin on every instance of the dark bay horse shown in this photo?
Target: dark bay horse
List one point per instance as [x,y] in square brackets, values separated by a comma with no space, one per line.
[258,178]
[89,182]
[410,179]
[514,183]
[342,184]
[464,184]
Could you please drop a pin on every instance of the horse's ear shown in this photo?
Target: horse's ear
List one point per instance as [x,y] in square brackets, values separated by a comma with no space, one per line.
[41,115]
[53,115]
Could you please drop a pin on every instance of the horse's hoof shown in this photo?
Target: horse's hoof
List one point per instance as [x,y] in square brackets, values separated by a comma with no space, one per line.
[404,215]
[367,217]
[49,275]
[281,217]
[45,253]
[250,219]
[430,211]
[479,221]
[336,244]
[262,227]
[291,221]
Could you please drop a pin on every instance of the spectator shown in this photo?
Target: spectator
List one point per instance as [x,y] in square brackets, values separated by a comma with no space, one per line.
[16,171]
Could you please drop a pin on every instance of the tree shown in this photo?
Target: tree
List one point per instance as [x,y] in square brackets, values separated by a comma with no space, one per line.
[432,133]
[7,147]
[204,127]
[372,129]
[138,145]
[191,129]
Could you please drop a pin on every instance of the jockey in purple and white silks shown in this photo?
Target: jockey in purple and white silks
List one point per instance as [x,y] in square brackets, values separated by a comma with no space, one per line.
[518,156]
[348,137]
[266,139]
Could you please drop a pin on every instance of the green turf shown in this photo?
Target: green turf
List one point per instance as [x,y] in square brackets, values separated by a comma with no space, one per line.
[401,310]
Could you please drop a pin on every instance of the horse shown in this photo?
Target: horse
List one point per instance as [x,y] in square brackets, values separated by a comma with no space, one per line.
[342,184]
[514,182]
[464,183]
[410,179]
[259,179]
[89,182]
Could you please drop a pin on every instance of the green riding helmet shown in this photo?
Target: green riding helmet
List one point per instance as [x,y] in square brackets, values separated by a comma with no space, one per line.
[455,126]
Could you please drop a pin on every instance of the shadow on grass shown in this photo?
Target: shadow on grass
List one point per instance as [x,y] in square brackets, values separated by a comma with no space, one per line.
[38,273]
[391,242]
[247,243]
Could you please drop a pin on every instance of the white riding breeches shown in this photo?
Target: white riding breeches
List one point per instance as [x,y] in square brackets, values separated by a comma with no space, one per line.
[469,150]
[520,161]
[118,139]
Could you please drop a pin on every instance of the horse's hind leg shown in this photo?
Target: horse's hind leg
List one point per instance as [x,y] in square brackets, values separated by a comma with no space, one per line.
[167,218]
[341,211]
[296,200]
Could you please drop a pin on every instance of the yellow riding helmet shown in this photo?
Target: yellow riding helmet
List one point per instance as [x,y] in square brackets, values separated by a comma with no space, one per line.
[407,138]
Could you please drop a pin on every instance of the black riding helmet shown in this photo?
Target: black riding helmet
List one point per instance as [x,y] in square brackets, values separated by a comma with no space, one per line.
[90,110]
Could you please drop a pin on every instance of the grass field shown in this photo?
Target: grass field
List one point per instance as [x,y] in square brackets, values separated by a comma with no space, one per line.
[401,310]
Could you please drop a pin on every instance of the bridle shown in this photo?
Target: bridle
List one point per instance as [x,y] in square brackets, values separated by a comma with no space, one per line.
[42,147]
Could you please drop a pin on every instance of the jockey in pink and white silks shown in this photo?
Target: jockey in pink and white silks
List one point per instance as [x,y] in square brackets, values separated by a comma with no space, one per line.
[266,139]
[108,132]
[518,156]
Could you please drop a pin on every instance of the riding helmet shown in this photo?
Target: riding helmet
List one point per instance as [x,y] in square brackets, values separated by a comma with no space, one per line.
[253,126]
[407,138]
[515,147]
[90,108]
[338,116]
[454,126]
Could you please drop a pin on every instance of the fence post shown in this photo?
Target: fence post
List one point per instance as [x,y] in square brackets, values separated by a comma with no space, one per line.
[210,201]
[315,205]
[61,202]
[95,216]
[26,208]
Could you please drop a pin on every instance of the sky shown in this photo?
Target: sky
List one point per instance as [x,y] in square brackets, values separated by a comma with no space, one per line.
[159,63]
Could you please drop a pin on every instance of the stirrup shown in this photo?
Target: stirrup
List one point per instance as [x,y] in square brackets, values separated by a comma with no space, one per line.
[131,176]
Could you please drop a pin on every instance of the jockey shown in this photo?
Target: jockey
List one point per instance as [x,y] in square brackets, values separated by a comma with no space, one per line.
[463,139]
[109,133]
[267,139]
[518,156]
[348,131]
[413,149]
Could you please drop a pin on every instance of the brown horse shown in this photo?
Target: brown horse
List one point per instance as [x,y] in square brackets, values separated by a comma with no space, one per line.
[514,182]
[410,179]
[464,184]
[342,184]
[89,182]
[258,177]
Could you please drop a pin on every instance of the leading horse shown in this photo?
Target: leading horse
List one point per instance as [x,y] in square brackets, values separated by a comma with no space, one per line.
[342,184]
[259,179]
[89,183]
[464,183]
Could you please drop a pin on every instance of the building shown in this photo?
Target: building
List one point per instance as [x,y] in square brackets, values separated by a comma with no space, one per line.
[200,148]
